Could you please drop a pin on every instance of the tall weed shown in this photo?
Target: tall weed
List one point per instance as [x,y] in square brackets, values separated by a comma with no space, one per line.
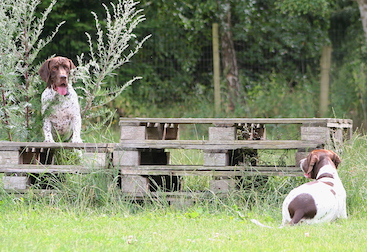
[99,190]
[20,43]
[353,174]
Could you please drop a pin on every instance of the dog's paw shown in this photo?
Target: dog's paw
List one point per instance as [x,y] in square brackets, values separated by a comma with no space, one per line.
[48,141]
[76,140]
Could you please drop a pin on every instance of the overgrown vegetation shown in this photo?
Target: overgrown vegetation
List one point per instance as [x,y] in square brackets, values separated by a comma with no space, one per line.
[277,43]
[88,211]
[99,191]
[92,213]
[20,44]
[115,45]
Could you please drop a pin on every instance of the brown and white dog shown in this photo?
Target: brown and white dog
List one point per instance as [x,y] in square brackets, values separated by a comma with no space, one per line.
[321,200]
[60,106]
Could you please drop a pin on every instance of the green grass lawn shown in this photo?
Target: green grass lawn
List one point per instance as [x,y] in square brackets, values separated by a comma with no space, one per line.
[88,214]
[51,229]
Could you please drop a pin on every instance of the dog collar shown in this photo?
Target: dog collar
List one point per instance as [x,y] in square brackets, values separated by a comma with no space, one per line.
[326,175]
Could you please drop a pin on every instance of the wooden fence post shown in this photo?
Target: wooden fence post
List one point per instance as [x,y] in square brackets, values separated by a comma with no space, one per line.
[216,68]
[325,63]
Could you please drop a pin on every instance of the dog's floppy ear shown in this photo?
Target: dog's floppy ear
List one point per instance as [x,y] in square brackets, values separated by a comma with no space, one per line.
[310,162]
[44,71]
[336,159]
[72,66]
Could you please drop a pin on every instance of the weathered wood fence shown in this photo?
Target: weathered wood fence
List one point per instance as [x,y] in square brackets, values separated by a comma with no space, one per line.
[142,156]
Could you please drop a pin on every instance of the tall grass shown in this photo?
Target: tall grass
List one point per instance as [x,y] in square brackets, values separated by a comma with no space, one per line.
[88,212]
[99,191]
[353,174]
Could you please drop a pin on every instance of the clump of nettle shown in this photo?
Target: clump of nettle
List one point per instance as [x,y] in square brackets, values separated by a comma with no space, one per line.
[21,42]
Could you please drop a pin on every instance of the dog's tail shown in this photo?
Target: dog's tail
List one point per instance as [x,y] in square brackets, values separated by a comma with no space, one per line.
[259,223]
[256,222]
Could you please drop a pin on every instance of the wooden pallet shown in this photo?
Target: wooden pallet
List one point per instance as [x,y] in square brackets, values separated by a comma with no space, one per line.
[21,162]
[154,137]
[143,154]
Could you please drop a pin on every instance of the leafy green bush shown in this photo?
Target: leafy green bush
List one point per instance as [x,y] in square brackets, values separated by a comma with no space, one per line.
[20,43]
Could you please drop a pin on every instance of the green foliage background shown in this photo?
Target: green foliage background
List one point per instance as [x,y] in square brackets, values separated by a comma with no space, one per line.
[278,46]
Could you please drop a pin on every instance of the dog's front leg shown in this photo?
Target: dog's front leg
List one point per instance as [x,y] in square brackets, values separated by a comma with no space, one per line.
[76,128]
[47,97]
[344,212]
[47,130]
[344,208]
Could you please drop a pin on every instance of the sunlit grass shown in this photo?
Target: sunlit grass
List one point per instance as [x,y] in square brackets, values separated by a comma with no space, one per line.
[89,213]
[51,229]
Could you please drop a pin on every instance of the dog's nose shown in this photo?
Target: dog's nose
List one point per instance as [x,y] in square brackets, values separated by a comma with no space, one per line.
[63,76]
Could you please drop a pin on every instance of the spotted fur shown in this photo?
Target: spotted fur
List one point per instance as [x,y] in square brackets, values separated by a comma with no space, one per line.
[60,106]
[321,200]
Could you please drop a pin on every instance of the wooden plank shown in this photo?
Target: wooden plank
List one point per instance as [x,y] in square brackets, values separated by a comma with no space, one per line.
[141,195]
[222,185]
[340,125]
[233,121]
[4,146]
[211,173]
[93,159]
[29,168]
[183,170]
[39,192]
[132,132]
[218,145]
[172,195]
[134,184]
[222,133]
[211,168]
[9,157]
[216,159]
[126,158]
[316,133]
[16,182]
[90,147]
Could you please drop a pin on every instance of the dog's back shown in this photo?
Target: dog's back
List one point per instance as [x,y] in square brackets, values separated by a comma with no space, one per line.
[321,200]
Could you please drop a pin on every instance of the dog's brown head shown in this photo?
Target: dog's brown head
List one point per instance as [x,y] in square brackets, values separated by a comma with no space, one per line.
[55,72]
[317,159]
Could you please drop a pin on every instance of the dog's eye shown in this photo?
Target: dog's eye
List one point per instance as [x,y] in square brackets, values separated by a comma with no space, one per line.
[66,68]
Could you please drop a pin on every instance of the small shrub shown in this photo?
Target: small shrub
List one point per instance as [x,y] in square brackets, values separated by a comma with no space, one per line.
[20,44]
[20,87]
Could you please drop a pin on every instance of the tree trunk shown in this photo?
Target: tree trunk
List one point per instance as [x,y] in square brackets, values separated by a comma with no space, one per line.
[230,68]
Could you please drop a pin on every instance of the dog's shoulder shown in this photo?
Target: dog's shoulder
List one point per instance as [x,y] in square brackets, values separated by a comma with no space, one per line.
[72,93]
[48,94]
